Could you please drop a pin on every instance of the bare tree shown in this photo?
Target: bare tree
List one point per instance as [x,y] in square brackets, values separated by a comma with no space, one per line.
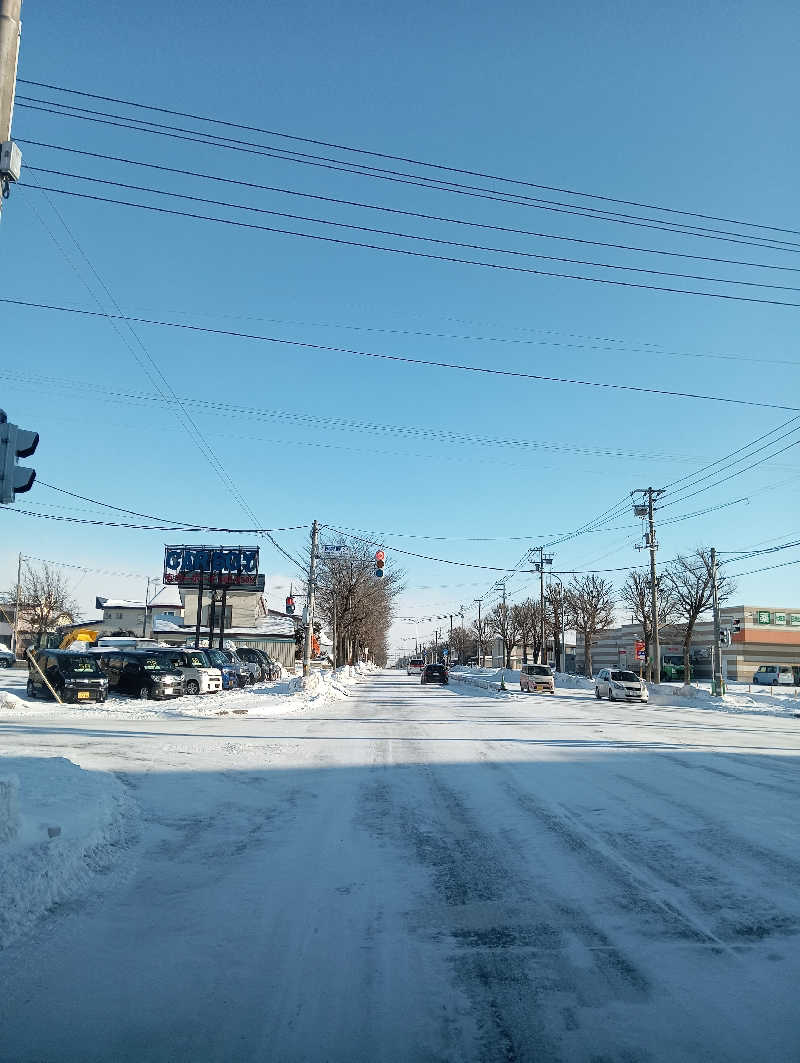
[45,601]
[527,621]
[360,604]
[480,633]
[501,622]
[635,594]
[590,610]
[689,579]
[460,644]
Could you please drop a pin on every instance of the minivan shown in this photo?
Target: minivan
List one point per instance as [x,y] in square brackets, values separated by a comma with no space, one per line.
[139,673]
[198,675]
[537,677]
[774,675]
[74,676]
[415,666]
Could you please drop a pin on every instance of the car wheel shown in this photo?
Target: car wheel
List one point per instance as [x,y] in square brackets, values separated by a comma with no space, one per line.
[611,695]
[192,687]
[6,663]
[144,694]
[597,694]
[30,689]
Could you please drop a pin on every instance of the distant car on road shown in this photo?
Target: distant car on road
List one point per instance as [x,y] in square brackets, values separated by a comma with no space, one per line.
[415,666]
[774,675]
[434,673]
[618,685]
[537,677]
[6,656]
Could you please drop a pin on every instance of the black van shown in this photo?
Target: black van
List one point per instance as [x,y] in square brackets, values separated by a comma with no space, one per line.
[74,676]
[140,673]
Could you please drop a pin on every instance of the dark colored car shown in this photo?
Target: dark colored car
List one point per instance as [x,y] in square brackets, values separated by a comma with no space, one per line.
[234,674]
[268,669]
[434,673]
[6,658]
[74,676]
[140,673]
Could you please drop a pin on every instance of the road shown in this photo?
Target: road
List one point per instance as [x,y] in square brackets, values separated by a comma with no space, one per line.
[427,874]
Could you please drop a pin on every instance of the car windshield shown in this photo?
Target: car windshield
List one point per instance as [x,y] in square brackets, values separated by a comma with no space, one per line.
[539,669]
[154,664]
[625,677]
[81,665]
[217,657]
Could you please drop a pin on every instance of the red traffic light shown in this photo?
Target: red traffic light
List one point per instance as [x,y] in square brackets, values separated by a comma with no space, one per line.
[380,557]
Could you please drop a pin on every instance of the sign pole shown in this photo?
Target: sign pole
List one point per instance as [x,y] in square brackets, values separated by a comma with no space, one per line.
[199,612]
[222,617]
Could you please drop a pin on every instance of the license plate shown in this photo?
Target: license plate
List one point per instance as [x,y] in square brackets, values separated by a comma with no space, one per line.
[83,695]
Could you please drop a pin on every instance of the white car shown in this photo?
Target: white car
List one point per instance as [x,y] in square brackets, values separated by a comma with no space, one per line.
[198,676]
[619,685]
[537,677]
[415,666]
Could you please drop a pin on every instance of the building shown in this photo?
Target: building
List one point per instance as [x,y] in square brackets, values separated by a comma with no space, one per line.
[766,635]
[120,614]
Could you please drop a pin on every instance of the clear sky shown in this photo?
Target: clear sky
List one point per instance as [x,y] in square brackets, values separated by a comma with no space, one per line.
[689,106]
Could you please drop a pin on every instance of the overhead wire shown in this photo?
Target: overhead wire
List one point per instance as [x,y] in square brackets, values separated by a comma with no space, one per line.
[430,256]
[403,359]
[399,158]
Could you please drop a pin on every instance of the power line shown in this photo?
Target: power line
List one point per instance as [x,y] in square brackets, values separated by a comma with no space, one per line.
[150,527]
[405,235]
[768,568]
[403,359]
[400,158]
[453,259]
[142,125]
[217,179]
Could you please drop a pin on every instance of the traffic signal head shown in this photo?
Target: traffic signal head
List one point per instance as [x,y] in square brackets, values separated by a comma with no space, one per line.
[15,443]
[380,561]
[289,604]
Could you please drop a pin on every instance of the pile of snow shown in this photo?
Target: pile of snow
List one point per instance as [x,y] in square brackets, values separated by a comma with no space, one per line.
[761,701]
[10,701]
[59,827]
[573,682]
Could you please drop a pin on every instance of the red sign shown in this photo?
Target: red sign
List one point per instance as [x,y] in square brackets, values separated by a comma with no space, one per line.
[639,650]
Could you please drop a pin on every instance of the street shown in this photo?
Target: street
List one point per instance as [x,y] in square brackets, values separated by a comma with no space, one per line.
[426,874]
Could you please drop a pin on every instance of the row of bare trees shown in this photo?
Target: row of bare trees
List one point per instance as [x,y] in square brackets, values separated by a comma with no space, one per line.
[587,605]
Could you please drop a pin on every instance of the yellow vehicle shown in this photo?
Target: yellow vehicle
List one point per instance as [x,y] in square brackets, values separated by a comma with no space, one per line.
[81,634]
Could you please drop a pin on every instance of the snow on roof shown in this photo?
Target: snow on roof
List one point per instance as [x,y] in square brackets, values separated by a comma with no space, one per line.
[167,625]
[276,625]
[168,597]
[121,603]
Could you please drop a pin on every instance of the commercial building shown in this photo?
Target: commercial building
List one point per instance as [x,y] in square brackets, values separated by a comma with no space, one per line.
[766,635]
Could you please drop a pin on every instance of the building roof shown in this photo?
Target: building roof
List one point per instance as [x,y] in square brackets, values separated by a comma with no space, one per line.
[117,603]
[168,597]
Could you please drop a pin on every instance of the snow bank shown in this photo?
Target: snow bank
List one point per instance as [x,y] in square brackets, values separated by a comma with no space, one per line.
[59,826]
[10,701]
[573,682]
[737,700]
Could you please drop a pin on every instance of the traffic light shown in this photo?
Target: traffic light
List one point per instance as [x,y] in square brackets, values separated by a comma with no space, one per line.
[15,443]
[380,561]
[289,604]
[724,637]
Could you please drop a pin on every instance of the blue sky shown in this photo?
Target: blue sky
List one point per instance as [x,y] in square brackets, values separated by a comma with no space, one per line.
[663,104]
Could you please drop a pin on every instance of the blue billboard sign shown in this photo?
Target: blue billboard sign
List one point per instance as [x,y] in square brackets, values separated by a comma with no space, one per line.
[232,566]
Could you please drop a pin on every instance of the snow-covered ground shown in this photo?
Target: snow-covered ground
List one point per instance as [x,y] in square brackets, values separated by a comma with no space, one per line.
[398,872]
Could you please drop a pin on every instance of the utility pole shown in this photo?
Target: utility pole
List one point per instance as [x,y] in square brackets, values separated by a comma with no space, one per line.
[15,637]
[652,546]
[312,572]
[548,560]
[480,657]
[334,628]
[10,28]
[717,685]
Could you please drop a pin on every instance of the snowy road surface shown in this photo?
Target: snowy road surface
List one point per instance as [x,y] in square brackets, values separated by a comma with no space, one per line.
[426,874]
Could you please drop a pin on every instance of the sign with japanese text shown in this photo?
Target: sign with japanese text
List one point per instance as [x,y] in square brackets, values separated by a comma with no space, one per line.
[764,616]
[218,566]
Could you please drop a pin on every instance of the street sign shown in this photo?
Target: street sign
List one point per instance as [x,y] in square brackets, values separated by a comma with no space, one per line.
[333,549]
[639,649]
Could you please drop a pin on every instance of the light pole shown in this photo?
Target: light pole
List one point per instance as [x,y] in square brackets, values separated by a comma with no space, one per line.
[478,602]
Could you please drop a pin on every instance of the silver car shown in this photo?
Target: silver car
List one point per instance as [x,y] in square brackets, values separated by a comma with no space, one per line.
[619,685]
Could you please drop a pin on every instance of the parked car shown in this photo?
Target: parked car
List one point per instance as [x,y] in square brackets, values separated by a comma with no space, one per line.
[273,667]
[434,673]
[774,675]
[198,675]
[268,669]
[234,674]
[6,656]
[139,673]
[74,676]
[251,670]
[616,684]
[415,666]
[537,677]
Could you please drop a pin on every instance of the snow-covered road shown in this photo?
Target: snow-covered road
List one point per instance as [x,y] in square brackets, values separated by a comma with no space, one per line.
[426,874]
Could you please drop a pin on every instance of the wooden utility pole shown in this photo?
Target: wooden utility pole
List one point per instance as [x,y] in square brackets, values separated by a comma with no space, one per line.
[10,27]
[312,572]
[15,636]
